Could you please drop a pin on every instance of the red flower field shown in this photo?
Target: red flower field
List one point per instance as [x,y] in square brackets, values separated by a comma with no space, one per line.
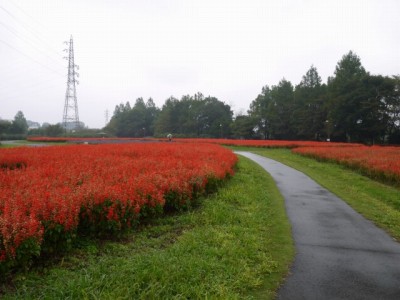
[227,142]
[48,192]
[269,143]
[376,161]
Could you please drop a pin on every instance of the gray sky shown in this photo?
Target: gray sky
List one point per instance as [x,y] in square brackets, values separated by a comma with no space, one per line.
[227,49]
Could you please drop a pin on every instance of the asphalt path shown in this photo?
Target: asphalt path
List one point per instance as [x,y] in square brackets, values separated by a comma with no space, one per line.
[339,254]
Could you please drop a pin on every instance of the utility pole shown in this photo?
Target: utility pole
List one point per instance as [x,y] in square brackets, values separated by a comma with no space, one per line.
[71,116]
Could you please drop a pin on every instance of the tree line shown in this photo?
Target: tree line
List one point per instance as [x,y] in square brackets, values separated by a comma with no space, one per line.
[352,106]
[19,128]
[15,129]
[191,116]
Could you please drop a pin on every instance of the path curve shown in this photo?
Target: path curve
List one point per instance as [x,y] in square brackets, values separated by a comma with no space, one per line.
[339,254]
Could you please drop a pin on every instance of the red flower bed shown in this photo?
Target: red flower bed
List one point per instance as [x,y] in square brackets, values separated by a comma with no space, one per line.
[228,142]
[376,162]
[269,143]
[88,139]
[47,194]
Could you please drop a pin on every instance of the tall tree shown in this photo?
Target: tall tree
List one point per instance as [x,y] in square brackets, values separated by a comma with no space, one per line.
[310,114]
[379,110]
[243,127]
[136,121]
[5,126]
[346,91]
[272,111]
[152,112]
[280,110]
[167,119]
[19,124]
[393,110]
[259,113]
[195,116]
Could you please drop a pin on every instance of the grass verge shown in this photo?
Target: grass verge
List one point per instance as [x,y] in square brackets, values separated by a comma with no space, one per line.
[19,143]
[236,245]
[377,202]
[3,145]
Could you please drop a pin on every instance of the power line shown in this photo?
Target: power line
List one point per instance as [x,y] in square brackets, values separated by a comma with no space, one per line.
[27,28]
[22,84]
[29,57]
[30,16]
[19,91]
[36,90]
[20,68]
[17,34]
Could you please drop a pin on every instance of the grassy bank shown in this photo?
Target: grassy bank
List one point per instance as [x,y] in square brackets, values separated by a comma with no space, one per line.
[19,143]
[235,245]
[378,202]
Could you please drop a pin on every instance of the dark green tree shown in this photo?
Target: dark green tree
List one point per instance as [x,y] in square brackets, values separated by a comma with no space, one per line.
[354,106]
[272,112]
[115,124]
[194,116]
[280,111]
[243,127]
[19,124]
[151,115]
[136,121]
[393,110]
[53,130]
[5,127]
[216,118]
[346,93]
[310,111]
[258,113]
[379,110]
[168,118]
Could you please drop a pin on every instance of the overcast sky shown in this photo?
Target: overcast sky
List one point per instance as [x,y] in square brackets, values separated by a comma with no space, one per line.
[128,49]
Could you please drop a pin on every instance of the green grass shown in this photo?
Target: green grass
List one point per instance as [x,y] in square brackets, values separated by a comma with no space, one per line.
[377,202]
[19,143]
[236,245]
[6,146]
[13,144]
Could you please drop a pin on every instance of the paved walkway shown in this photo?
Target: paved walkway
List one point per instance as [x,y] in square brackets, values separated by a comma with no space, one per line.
[339,254]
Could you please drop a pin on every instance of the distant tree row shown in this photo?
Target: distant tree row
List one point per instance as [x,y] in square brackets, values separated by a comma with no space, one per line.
[195,116]
[352,106]
[16,128]
[191,116]
[136,121]
[20,127]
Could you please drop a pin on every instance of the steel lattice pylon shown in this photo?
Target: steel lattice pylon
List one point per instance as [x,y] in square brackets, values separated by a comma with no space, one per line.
[71,116]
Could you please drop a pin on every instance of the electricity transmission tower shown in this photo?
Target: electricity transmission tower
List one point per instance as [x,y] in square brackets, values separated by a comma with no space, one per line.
[71,116]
